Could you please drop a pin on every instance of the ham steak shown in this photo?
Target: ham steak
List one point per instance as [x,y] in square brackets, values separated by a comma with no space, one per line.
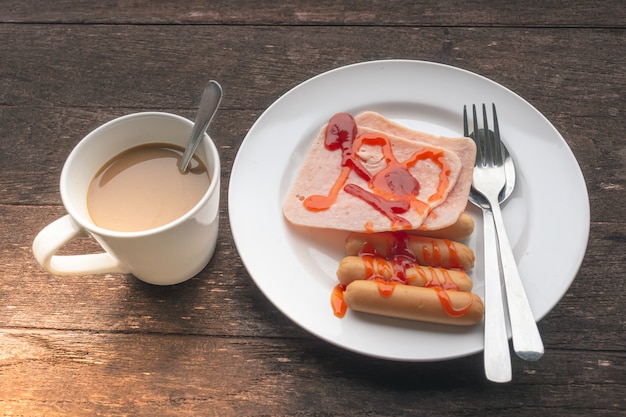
[369,174]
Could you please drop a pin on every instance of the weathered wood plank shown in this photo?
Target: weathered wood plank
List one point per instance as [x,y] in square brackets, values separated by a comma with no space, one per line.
[325,12]
[115,374]
[92,65]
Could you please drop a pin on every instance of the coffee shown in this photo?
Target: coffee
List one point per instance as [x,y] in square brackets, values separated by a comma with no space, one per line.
[142,188]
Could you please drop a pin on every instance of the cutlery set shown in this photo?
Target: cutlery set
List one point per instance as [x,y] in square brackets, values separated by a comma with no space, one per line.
[492,182]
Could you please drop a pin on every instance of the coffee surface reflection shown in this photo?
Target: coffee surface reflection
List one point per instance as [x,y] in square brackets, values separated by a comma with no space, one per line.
[142,188]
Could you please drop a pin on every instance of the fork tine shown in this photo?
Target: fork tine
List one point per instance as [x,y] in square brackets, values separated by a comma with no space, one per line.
[489,143]
[496,128]
[485,123]
[498,151]
[465,125]
[478,138]
[475,120]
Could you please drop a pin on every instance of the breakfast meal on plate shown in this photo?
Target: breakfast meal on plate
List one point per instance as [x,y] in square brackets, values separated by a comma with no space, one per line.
[401,194]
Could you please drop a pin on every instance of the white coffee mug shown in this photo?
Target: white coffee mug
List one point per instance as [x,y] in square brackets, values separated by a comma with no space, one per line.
[165,255]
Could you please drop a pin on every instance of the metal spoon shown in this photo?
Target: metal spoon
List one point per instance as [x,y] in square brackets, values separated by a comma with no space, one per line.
[209,103]
[497,354]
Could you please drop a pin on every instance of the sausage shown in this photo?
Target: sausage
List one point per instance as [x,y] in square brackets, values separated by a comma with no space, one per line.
[460,230]
[352,268]
[433,305]
[427,251]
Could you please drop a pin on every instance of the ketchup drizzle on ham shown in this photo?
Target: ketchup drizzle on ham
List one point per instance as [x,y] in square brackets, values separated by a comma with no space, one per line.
[393,190]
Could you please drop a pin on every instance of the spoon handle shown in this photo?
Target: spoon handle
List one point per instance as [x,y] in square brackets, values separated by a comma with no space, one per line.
[209,102]
[527,342]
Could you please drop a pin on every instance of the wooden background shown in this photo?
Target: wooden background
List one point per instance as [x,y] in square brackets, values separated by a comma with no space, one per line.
[111,345]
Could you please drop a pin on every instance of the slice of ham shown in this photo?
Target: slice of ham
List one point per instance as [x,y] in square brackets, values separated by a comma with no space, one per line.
[350,211]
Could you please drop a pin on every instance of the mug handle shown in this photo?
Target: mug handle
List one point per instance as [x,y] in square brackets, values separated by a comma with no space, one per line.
[61,231]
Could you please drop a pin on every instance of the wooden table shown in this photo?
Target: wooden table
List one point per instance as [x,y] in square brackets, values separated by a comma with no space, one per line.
[111,345]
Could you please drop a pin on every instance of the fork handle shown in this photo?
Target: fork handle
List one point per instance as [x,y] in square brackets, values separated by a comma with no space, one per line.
[497,357]
[527,342]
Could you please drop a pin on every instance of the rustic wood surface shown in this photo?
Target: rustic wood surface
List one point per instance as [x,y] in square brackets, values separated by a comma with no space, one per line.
[111,345]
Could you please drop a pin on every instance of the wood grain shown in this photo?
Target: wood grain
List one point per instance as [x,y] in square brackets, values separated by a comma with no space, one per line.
[111,345]
[107,374]
[325,12]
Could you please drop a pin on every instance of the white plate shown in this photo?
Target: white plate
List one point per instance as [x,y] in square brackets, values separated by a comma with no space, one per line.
[547,216]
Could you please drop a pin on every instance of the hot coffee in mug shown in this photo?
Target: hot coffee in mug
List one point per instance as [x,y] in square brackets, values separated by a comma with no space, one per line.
[121,185]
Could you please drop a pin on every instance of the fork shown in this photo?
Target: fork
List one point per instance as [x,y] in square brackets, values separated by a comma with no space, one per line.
[497,356]
[489,179]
